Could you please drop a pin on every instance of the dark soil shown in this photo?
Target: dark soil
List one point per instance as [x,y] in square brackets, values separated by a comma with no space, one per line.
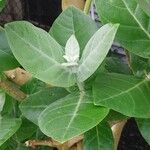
[131,139]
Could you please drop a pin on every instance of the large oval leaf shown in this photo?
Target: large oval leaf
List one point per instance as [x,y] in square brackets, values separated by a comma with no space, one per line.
[39,53]
[96,51]
[125,94]
[7,60]
[145,5]
[8,127]
[144,127]
[73,21]
[133,33]
[71,116]
[33,105]
[99,138]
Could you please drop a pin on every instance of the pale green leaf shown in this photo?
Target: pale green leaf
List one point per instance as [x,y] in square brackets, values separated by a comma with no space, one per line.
[144,127]
[8,126]
[123,93]
[72,48]
[73,21]
[39,53]
[145,5]
[133,32]
[72,51]
[7,59]
[37,102]
[96,51]
[71,116]
[99,138]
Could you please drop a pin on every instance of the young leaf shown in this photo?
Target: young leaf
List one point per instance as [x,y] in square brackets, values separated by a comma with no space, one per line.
[145,5]
[133,32]
[32,107]
[72,48]
[144,127]
[39,53]
[71,116]
[72,51]
[73,21]
[2,100]
[96,51]
[123,93]
[8,126]
[7,59]
[99,138]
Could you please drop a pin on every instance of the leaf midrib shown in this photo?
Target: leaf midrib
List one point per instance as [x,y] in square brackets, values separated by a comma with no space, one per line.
[126,91]
[140,25]
[35,48]
[74,114]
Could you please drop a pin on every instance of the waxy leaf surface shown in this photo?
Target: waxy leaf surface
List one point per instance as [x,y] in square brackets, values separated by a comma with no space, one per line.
[123,93]
[71,116]
[39,53]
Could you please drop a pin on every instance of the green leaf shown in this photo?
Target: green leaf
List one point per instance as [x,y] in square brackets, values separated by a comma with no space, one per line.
[144,127]
[39,53]
[114,116]
[32,107]
[123,93]
[96,51]
[8,106]
[8,126]
[117,65]
[73,21]
[99,138]
[33,85]
[6,57]
[71,116]
[140,66]
[133,32]
[145,5]
[2,4]
[2,100]
[26,130]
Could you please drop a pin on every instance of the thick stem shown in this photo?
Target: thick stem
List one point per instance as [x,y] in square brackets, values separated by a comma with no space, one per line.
[34,143]
[87,6]
[12,90]
[51,143]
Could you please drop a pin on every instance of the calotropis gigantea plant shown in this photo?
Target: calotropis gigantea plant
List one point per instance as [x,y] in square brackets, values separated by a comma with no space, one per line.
[88,89]
[48,61]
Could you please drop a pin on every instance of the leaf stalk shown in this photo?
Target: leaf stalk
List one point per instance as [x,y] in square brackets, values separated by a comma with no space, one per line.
[87,6]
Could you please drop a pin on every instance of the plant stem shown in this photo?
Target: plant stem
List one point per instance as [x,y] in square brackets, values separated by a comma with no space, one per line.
[34,143]
[87,6]
[52,143]
[12,90]
[117,130]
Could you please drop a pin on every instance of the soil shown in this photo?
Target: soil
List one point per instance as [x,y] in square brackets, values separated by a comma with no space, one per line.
[131,139]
